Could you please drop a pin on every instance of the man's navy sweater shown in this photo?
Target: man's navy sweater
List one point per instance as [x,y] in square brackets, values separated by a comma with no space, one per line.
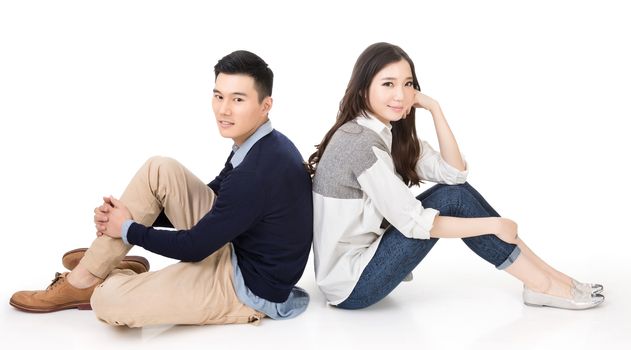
[264,207]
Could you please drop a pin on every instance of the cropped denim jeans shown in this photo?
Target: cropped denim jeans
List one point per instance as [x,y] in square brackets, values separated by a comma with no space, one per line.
[398,255]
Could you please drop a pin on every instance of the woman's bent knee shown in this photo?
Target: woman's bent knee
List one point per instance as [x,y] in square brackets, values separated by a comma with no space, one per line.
[455,192]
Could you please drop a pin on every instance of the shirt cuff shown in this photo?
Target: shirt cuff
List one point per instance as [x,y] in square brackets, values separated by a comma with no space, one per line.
[455,176]
[124,229]
[424,223]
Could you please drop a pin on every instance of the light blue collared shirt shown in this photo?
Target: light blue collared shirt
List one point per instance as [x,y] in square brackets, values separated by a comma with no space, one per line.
[241,151]
[298,299]
[295,304]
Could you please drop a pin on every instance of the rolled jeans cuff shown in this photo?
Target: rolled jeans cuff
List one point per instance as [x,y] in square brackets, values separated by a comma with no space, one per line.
[511,259]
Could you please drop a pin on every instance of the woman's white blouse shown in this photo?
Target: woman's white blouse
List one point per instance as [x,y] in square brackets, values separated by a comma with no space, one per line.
[355,188]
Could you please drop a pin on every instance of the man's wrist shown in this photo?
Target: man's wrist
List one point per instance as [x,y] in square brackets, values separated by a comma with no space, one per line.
[124,230]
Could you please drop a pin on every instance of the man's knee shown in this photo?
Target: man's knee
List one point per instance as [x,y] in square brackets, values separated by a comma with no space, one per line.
[106,304]
[162,165]
[99,299]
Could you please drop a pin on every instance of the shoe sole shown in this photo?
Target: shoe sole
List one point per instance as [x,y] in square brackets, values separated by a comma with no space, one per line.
[80,306]
[563,308]
[129,258]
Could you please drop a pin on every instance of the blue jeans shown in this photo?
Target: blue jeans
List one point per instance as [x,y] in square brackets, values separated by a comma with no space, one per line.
[398,255]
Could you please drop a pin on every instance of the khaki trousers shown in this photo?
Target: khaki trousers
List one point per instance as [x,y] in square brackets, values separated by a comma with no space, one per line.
[182,293]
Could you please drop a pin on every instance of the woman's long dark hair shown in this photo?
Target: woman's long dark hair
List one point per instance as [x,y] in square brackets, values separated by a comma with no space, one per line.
[405,144]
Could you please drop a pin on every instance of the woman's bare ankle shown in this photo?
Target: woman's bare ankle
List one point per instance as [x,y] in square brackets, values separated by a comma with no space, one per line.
[542,284]
[560,289]
[552,286]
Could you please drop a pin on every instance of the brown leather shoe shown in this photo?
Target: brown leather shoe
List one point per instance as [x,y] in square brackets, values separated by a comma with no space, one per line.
[138,264]
[59,295]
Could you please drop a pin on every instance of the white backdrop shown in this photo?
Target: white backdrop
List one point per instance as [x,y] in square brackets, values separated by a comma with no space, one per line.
[536,93]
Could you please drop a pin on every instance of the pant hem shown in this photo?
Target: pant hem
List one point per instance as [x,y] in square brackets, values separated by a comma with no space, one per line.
[511,259]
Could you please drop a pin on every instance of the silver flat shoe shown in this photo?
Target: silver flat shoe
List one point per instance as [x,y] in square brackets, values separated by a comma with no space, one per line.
[579,300]
[592,288]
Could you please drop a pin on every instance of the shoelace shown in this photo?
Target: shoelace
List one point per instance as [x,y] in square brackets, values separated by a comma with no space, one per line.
[58,277]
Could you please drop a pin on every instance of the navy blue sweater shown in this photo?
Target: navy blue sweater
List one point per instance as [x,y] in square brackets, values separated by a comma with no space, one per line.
[264,207]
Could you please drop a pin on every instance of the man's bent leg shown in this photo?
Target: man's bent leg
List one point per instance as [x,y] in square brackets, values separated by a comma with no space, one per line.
[183,293]
[161,183]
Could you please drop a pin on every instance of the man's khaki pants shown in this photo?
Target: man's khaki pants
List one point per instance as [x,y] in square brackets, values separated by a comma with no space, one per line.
[183,293]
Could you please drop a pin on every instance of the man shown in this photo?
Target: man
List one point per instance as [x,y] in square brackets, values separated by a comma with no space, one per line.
[243,240]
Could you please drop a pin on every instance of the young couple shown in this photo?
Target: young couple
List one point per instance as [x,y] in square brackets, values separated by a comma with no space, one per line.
[244,238]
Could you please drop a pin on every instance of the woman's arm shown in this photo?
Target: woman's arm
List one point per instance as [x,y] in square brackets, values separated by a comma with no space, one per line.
[393,199]
[449,150]
[453,227]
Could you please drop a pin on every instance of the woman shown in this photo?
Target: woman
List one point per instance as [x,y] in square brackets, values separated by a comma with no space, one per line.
[369,230]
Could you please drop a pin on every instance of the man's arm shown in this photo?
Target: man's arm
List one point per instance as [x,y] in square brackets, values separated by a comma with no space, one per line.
[234,212]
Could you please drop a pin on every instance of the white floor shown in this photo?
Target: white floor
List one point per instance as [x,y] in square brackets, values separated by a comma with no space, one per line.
[457,305]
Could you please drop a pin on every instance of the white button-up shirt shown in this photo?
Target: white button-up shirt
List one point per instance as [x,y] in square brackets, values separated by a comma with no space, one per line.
[355,188]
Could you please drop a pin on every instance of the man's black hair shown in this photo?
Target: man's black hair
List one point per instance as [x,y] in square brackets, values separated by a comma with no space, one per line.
[245,62]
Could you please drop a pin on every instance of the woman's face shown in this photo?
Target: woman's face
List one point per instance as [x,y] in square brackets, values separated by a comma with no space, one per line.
[391,92]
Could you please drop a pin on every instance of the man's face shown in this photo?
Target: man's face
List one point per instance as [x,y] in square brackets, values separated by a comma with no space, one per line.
[237,108]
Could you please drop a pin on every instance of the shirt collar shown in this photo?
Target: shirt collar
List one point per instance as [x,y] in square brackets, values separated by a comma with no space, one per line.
[371,122]
[241,151]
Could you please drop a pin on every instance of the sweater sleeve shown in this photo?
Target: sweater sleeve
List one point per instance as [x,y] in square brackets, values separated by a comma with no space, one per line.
[235,210]
[394,200]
